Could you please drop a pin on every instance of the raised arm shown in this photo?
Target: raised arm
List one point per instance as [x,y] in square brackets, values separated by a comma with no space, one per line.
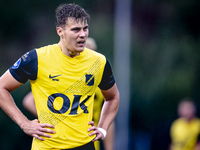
[33,128]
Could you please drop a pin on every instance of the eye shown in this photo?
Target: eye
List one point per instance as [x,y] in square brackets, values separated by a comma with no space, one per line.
[76,29]
[85,29]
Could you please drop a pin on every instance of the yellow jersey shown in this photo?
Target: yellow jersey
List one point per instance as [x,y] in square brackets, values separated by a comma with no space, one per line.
[184,134]
[63,89]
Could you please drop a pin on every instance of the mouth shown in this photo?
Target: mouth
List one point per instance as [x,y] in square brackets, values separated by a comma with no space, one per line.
[81,43]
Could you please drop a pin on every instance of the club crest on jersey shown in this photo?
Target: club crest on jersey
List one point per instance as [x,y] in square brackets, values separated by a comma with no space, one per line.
[16,65]
[89,79]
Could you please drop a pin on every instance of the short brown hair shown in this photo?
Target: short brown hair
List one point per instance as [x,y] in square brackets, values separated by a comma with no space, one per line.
[65,11]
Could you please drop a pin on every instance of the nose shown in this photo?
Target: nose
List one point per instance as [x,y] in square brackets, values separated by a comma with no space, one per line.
[83,33]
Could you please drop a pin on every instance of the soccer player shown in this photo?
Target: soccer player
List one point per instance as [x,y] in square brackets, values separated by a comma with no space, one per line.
[185,130]
[63,79]
[29,104]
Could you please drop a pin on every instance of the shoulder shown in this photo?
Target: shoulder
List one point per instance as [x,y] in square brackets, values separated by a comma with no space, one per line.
[46,49]
[25,68]
[93,53]
[196,120]
[177,122]
[26,60]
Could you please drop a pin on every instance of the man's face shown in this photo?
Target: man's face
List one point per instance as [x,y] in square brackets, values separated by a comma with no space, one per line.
[187,110]
[74,35]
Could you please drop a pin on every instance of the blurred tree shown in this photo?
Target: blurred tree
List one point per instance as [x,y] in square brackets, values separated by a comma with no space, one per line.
[165,61]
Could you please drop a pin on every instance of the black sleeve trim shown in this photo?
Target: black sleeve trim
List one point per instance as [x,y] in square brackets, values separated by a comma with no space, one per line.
[107,80]
[26,67]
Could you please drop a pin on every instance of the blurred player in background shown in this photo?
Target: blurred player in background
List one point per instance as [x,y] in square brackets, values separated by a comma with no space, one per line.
[185,130]
[29,104]
[64,77]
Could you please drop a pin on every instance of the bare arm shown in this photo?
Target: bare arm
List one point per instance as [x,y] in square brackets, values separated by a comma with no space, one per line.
[32,128]
[109,111]
[29,103]
[110,107]
[109,140]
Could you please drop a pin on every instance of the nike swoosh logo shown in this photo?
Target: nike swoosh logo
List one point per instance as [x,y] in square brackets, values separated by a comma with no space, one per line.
[51,77]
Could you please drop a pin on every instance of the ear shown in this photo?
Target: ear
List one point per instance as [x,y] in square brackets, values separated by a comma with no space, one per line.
[59,31]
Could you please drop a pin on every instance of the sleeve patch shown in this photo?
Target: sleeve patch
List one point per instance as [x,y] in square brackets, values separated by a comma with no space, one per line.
[25,67]
[16,65]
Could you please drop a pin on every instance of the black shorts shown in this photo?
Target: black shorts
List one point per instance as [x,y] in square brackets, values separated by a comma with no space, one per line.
[88,146]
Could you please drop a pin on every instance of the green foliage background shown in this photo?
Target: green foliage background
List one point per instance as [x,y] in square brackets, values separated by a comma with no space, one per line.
[164,56]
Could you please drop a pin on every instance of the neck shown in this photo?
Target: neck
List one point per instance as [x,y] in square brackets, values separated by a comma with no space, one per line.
[67,52]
